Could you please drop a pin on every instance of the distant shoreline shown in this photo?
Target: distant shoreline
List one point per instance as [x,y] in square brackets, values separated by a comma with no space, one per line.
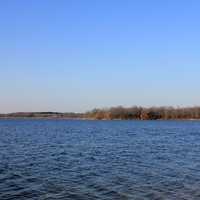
[116,113]
[89,119]
[92,119]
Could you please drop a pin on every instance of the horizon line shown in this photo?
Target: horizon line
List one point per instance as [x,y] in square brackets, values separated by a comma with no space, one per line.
[105,108]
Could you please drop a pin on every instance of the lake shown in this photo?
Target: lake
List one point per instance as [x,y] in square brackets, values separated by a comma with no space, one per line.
[108,160]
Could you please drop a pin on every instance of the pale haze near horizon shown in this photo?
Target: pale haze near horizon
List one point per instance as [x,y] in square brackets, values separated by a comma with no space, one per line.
[77,55]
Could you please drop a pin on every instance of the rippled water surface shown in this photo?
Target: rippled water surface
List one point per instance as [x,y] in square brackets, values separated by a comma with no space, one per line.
[83,160]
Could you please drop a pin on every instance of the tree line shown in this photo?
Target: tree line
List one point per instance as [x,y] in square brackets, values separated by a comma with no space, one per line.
[124,113]
[141,113]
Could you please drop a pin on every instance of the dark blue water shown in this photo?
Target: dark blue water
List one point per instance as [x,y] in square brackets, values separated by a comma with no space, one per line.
[83,160]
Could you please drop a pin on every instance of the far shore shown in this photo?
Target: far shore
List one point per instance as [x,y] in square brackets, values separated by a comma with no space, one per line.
[91,119]
[116,113]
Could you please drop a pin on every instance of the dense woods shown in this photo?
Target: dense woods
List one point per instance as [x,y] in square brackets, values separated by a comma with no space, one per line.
[137,113]
[142,113]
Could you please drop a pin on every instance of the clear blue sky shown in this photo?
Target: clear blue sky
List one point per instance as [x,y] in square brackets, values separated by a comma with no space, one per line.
[74,55]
